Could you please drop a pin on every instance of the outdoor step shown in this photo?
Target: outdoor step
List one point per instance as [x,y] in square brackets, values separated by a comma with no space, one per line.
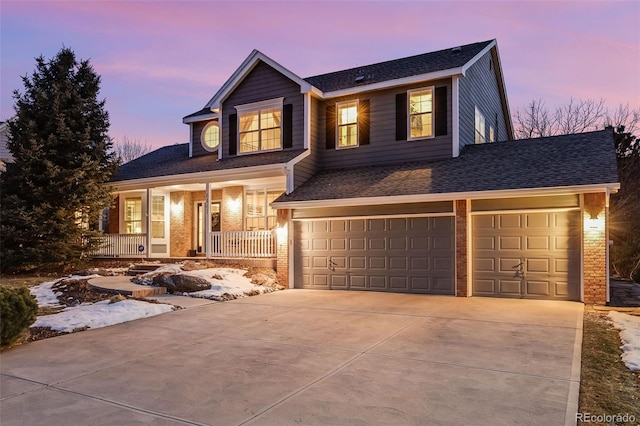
[122,285]
[142,268]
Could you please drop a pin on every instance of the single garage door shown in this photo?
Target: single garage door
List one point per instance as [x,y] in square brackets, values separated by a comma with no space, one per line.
[411,255]
[527,255]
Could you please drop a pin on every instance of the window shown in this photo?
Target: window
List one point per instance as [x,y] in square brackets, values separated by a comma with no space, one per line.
[480,126]
[258,214]
[347,124]
[211,136]
[421,113]
[133,215]
[259,126]
[492,134]
[157,216]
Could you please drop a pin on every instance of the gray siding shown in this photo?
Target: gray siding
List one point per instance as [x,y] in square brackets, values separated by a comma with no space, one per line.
[5,154]
[196,139]
[261,84]
[309,166]
[480,87]
[383,147]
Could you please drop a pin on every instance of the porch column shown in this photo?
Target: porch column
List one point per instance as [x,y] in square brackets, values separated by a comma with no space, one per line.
[207,220]
[148,233]
[462,248]
[595,249]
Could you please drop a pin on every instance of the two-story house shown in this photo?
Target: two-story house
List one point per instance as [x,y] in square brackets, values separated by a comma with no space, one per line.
[399,176]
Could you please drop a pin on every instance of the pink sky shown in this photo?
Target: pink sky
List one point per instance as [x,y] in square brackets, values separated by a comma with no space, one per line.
[162,60]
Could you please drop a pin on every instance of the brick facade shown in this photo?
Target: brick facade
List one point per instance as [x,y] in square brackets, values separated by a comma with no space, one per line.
[282,247]
[462,249]
[231,217]
[180,223]
[595,249]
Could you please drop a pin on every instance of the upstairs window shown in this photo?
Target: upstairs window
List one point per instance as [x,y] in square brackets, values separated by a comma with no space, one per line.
[480,126]
[211,136]
[347,124]
[421,113]
[260,126]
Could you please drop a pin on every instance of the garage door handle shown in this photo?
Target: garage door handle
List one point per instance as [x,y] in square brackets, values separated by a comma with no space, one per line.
[520,271]
[332,265]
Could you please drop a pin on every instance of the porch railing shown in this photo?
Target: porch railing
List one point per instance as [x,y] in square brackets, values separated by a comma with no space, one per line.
[249,244]
[115,245]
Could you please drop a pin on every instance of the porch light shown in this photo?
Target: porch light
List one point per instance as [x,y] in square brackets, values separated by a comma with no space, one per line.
[177,208]
[281,234]
[235,204]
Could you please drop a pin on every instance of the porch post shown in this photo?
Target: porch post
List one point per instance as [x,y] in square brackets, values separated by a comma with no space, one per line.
[207,220]
[148,233]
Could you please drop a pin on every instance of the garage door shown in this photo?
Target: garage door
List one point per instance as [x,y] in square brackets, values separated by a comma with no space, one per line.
[412,255]
[528,255]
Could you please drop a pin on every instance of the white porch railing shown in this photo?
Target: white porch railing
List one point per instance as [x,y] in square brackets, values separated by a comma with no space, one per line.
[115,245]
[247,244]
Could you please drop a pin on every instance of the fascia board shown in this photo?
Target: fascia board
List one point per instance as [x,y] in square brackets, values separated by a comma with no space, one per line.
[395,83]
[477,57]
[476,195]
[203,117]
[244,69]
[201,177]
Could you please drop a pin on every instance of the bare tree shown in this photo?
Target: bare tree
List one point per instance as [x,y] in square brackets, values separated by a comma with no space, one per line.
[129,149]
[576,116]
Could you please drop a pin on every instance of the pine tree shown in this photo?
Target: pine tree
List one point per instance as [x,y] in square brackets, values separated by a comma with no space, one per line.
[63,157]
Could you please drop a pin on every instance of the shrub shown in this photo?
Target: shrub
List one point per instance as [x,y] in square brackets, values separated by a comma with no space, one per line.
[18,310]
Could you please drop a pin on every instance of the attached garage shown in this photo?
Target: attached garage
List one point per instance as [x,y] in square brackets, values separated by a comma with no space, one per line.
[394,254]
[527,255]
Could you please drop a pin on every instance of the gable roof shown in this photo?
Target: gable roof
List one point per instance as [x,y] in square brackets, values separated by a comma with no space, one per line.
[411,66]
[579,160]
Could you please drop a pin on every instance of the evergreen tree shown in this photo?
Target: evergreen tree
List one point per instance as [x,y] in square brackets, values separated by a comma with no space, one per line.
[63,156]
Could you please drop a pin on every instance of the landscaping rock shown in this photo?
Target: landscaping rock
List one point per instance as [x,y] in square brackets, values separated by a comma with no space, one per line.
[180,283]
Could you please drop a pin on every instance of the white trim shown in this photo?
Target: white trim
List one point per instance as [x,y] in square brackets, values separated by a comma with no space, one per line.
[395,83]
[581,198]
[607,248]
[204,129]
[408,107]
[245,68]
[203,117]
[525,211]
[148,222]
[207,219]
[255,106]
[479,55]
[401,199]
[357,124]
[190,140]
[307,120]
[291,246]
[455,115]
[381,216]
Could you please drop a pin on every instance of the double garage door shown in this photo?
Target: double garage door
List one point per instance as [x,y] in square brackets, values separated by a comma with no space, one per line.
[401,254]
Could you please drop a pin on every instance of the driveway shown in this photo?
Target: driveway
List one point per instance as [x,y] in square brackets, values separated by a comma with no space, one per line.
[309,357]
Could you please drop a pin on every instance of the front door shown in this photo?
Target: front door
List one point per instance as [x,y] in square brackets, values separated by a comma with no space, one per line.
[201,224]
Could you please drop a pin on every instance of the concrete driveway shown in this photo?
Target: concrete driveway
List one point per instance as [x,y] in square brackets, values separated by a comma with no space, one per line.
[309,357]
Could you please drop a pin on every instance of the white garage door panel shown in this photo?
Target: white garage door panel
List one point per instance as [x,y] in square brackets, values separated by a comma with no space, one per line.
[527,255]
[414,255]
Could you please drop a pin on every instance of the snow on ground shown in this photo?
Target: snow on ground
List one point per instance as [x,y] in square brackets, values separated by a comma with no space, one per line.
[91,315]
[233,281]
[100,314]
[629,326]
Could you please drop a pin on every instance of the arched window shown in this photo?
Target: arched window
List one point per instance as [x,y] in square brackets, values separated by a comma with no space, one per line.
[211,136]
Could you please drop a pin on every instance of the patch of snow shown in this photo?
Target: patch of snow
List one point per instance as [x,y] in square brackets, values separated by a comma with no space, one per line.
[629,326]
[233,282]
[45,295]
[100,314]
[173,268]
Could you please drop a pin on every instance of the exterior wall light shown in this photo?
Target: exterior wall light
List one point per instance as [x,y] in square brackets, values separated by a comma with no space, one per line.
[177,208]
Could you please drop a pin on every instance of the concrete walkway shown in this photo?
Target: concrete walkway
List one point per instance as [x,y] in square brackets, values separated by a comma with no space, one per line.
[309,357]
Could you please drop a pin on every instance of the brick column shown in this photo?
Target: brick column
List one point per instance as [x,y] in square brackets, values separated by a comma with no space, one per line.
[231,218]
[282,247]
[180,223]
[594,249]
[462,249]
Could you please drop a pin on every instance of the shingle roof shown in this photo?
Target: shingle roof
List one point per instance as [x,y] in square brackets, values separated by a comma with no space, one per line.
[398,68]
[174,160]
[569,160]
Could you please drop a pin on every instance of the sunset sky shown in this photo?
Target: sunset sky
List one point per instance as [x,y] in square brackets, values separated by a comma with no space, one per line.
[162,60]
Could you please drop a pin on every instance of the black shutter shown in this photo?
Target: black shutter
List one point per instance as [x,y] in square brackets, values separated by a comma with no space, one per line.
[287,126]
[331,127]
[363,122]
[233,134]
[401,117]
[441,111]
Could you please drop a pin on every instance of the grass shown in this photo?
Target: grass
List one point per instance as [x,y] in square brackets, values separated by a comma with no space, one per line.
[607,386]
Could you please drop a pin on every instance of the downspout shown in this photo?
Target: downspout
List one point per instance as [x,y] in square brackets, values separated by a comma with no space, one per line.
[207,220]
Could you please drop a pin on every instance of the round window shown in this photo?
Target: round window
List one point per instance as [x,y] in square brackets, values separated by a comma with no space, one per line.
[211,136]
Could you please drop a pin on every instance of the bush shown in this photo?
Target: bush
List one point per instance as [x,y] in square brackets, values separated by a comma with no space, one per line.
[18,310]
